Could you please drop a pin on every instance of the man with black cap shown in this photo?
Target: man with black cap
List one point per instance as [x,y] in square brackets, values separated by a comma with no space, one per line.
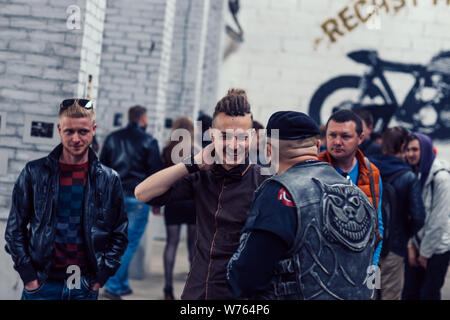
[316,227]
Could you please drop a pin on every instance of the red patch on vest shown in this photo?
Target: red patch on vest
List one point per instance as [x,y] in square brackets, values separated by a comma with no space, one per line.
[285,198]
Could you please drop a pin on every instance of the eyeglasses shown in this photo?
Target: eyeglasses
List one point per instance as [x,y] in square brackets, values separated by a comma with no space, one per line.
[85,103]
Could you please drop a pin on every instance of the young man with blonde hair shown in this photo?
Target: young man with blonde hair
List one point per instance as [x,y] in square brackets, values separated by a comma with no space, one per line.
[67,228]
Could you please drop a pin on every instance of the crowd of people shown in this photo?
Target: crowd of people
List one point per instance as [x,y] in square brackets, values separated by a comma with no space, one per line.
[339,205]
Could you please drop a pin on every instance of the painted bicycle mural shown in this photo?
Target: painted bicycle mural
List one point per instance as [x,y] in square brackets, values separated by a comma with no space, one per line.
[426,107]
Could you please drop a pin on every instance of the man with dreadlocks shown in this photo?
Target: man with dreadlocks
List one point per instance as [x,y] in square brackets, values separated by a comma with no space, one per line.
[222,190]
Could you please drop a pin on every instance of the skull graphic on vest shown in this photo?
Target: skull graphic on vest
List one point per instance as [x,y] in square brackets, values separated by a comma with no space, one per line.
[348,216]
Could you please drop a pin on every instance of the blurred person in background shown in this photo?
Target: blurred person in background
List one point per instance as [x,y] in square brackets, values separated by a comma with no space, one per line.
[368,146]
[206,122]
[178,213]
[429,249]
[134,154]
[405,215]
[258,156]
[377,137]
[323,138]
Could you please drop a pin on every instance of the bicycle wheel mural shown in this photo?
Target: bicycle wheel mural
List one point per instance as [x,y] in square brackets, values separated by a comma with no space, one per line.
[425,109]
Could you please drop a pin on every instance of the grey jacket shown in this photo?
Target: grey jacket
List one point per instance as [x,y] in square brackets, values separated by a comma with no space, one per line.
[434,237]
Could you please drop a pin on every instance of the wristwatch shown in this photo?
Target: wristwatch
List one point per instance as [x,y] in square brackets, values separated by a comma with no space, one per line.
[190,165]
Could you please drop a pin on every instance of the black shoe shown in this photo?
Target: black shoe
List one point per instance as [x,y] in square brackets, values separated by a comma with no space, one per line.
[111,296]
[168,293]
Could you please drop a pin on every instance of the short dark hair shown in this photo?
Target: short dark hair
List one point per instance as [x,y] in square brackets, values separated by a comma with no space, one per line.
[234,104]
[411,137]
[344,116]
[257,125]
[323,131]
[375,136]
[365,116]
[394,139]
[135,113]
[205,120]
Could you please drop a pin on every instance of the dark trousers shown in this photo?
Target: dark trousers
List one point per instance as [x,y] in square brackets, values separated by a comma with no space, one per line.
[426,284]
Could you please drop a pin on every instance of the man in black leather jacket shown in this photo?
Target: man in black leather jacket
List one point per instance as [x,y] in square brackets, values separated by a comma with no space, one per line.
[409,215]
[67,228]
[135,155]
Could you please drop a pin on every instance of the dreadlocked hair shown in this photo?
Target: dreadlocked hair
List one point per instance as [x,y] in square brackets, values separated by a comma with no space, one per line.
[234,104]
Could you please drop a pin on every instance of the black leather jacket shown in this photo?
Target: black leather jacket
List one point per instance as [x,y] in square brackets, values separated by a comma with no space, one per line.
[133,153]
[30,230]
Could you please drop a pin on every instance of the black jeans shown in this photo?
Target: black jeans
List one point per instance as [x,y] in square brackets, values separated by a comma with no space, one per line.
[426,284]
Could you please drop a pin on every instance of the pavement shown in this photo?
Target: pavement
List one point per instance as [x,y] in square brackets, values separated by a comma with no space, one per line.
[151,288]
[446,289]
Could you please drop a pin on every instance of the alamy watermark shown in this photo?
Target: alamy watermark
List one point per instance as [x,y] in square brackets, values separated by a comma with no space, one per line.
[73,21]
[373,278]
[74,280]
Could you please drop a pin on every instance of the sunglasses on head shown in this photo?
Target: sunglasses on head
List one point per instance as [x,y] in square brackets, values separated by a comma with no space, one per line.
[85,103]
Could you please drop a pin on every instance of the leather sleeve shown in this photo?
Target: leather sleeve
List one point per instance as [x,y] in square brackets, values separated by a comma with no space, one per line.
[16,229]
[250,269]
[118,238]
[154,162]
[105,155]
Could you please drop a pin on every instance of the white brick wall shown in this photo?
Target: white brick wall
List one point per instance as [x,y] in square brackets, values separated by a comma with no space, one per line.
[212,56]
[38,68]
[280,69]
[182,54]
[130,62]
[195,57]
[164,71]
[198,84]
[91,47]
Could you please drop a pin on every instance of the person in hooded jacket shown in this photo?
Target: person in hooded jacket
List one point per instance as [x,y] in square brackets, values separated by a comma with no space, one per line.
[429,249]
[407,215]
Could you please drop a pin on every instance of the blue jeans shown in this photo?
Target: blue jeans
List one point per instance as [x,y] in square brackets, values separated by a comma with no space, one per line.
[58,290]
[137,221]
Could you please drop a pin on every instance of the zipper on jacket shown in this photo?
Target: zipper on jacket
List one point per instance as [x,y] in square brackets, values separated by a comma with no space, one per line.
[214,239]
